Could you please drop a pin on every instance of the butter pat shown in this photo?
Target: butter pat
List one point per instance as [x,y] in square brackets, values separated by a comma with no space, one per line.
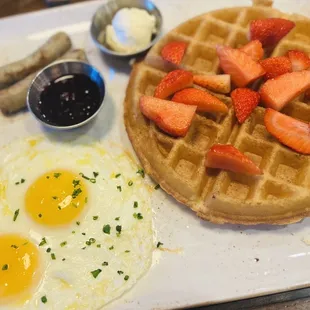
[131,30]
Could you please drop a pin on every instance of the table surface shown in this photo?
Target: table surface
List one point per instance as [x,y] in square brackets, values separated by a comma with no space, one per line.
[297,300]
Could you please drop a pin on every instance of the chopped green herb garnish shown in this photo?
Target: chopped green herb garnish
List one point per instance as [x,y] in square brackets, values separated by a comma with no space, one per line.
[130,183]
[84,248]
[117,218]
[59,207]
[78,223]
[84,234]
[111,247]
[106,229]
[120,272]
[44,299]
[92,240]
[105,264]
[53,256]
[75,183]
[5,267]
[57,175]
[47,176]
[95,174]
[76,192]
[117,175]
[39,215]
[16,183]
[141,172]
[16,213]
[87,178]
[126,278]
[43,242]
[95,218]
[157,186]
[88,243]
[119,188]
[48,250]
[62,244]
[22,181]
[98,245]
[127,251]
[14,246]
[119,229]
[159,244]
[135,204]
[96,272]
[75,205]
[55,197]
[86,199]
[63,259]
[138,216]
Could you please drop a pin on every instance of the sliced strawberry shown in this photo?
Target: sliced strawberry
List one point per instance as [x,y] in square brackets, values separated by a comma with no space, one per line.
[174,52]
[289,131]
[242,68]
[217,83]
[253,49]
[276,93]
[227,157]
[172,82]
[244,101]
[270,31]
[300,60]
[276,66]
[204,101]
[173,118]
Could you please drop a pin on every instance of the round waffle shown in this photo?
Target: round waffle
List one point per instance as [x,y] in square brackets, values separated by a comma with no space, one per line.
[282,194]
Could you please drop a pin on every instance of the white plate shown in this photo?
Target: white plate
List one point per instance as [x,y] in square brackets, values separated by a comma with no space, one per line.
[210,263]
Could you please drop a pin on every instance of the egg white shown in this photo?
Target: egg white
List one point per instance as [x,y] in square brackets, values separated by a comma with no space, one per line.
[69,284]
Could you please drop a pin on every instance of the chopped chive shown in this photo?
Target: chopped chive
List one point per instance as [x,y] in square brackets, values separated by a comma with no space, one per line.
[120,272]
[86,199]
[141,172]
[16,213]
[119,188]
[88,243]
[62,244]
[117,175]
[75,183]
[92,180]
[96,272]
[159,244]
[95,218]
[47,176]
[87,178]
[63,259]
[105,264]
[5,267]
[92,240]
[111,247]
[95,174]
[130,183]
[14,246]
[78,223]
[53,256]
[75,205]
[157,187]
[48,250]
[39,215]
[117,218]
[84,248]
[84,234]
[106,229]
[126,278]
[22,181]
[127,251]
[44,299]
[98,245]
[138,216]
[43,242]
[59,207]
[16,183]
[55,197]
[57,175]
[76,192]
[119,229]
[135,204]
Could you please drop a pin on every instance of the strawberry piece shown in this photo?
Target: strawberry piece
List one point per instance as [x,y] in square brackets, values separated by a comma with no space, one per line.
[276,93]
[217,83]
[270,31]
[253,49]
[227,157]
[300,60]
[289,131]
[204,101]
[244,101]
[276,66]
[172,82]
[173,118]
[242,68]
[174,52]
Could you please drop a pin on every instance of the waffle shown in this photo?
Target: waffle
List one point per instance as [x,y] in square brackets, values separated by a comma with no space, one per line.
[282,194]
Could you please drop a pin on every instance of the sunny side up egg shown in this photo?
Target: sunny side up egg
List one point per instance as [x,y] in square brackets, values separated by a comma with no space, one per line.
[75,225]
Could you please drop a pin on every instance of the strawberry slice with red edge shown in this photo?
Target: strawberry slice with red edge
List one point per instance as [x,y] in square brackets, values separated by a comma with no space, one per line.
[174,51]
[289,131]
[253,49]
[244,101]
[241,67]
[276,93]
[173,118]
[217,83]
[204,101]
[275,66]
[227,157]
[300,60]
[173,82]
[270,31]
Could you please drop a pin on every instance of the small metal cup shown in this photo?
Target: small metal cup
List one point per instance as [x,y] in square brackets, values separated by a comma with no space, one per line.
[54,71]
[104,15]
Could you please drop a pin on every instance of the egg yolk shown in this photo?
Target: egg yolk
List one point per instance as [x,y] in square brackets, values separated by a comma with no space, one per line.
[56,198]
[19,267]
